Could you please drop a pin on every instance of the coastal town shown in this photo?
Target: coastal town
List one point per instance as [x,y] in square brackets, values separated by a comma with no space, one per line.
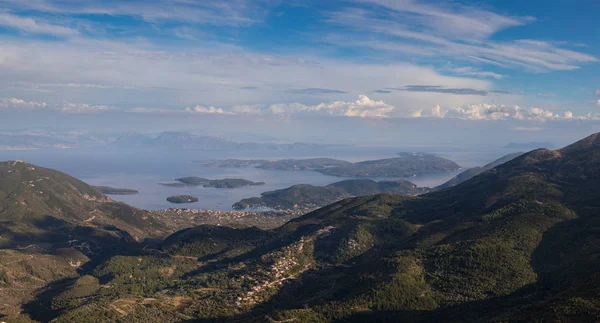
[182,217]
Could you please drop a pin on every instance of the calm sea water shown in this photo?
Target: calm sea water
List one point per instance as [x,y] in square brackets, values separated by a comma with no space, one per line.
[142,170]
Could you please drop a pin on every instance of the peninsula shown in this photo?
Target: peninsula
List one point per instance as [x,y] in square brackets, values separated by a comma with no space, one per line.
[407,165]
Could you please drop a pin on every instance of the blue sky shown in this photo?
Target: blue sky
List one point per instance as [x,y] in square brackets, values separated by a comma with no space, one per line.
[535,61]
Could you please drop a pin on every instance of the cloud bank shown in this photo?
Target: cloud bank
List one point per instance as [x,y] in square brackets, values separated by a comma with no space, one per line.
[363,107]
[500,112]
[15,104]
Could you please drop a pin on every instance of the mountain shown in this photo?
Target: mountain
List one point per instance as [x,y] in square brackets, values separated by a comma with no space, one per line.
[186,140]
[406,166]
[472,172]
[52,226]
[518,243]
[132,139]
[305,196]
[32,196]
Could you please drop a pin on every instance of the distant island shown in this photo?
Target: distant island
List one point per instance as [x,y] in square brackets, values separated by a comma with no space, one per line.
[529,145]
[214,183]
[180,199]
[407,166]
[305,196]
[413,154]
[186,140]
[115,191]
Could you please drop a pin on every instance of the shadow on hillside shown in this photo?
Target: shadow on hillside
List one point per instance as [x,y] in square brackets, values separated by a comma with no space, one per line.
[40,308]
[568,252]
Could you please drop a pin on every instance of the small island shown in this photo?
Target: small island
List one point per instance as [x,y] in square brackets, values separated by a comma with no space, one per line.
[180,199]
[214,183]
[115,191]
[172,184]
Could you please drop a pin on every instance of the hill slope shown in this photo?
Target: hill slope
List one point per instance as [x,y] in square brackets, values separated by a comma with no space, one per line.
[53,225]
[517,243]
[33,197]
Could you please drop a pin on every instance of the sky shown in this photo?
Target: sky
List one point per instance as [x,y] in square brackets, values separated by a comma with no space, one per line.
[529,69]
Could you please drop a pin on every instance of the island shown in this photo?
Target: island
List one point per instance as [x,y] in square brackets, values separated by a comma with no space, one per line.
[308,197]
[407,165]
[172,184]
[115,191]
[215,183]
[180,199]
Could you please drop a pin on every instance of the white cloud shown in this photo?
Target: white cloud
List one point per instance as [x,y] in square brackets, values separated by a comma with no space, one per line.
[461,32]
[14,103]
[207,110]
[86,70]
[598,103]
[19,104]
[471,71]
[363,107]
[499,112]
[455,21]
[597,92]
[34,26]
[215,12]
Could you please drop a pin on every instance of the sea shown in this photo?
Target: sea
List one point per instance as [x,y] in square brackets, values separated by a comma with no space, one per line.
[144,169]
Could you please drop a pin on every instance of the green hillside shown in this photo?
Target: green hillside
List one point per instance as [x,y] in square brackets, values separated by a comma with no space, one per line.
[52,226]
[518,243]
